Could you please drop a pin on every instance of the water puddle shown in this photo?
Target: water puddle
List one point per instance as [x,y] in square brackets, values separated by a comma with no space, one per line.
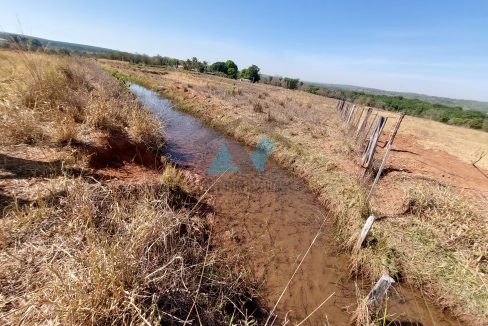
[274,217]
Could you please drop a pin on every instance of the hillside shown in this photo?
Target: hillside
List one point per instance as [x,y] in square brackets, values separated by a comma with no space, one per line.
[465,104]
[55,45]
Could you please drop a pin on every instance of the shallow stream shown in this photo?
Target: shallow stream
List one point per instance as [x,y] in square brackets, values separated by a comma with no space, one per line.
[273,217]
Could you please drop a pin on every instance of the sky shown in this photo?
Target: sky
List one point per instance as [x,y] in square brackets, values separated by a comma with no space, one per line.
[430,47]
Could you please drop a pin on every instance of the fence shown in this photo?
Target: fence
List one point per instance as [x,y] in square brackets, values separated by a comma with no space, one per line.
[366,129]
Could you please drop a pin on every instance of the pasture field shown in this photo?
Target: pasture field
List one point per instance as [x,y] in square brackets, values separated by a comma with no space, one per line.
[431,231]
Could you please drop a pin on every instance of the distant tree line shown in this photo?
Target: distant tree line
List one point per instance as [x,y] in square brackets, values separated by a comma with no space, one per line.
[443,113]
[286,82]
[438,112]
[137,58]
[226,69]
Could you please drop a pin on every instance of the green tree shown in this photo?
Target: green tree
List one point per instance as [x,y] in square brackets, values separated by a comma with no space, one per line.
[291,83]
[219,67]
[313,89]
[232,73]
[232,69]
[35,43]
[251,73]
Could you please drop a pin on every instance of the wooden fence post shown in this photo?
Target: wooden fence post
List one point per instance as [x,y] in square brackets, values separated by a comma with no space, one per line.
[364,232]
[387,152]
[380,170]
[373,142]
[365,135]
[345,112]
[349,116]
[363,122]
[394,131]
[357,118]
[377,294]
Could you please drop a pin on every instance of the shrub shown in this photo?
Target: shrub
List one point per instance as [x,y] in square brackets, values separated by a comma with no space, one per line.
[313,89]
[257,107]
[291,83]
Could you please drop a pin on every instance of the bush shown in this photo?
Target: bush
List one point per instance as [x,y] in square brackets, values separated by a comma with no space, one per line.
[257,107]
[313,89]
[251,73]
[291,83]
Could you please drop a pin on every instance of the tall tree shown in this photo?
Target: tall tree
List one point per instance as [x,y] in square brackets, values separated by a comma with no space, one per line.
[251,73]
[231,69]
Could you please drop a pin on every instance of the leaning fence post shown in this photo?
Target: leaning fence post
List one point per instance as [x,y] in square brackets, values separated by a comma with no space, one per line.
[373,142]
[363,123]
[357,118]
[375,297]
[380,170]
[350,114]
[345,112]
[371,125]
[387,152]
[364,232]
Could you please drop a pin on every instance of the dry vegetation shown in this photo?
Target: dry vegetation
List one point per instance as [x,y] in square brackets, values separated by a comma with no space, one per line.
[431,235]
[112,255]
[76,248]
[59,100]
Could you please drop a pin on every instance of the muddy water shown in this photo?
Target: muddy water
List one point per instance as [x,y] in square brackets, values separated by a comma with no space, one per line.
[274,218]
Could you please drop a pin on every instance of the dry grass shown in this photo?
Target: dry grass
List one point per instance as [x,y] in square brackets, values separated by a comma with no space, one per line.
[455,220]
[310,143]
[58,100]
[112,255]
[456,234]
[258,108]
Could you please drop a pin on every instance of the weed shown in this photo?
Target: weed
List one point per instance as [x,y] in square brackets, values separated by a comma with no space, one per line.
[270,117]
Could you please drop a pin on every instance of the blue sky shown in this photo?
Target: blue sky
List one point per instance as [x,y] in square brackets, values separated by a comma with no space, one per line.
[431,47]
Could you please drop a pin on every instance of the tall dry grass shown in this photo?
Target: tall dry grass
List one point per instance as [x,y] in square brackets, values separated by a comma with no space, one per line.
[456,221]
[60,99]
[113,255]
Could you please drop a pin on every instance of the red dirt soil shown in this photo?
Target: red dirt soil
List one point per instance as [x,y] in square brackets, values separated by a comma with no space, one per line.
[409,159]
